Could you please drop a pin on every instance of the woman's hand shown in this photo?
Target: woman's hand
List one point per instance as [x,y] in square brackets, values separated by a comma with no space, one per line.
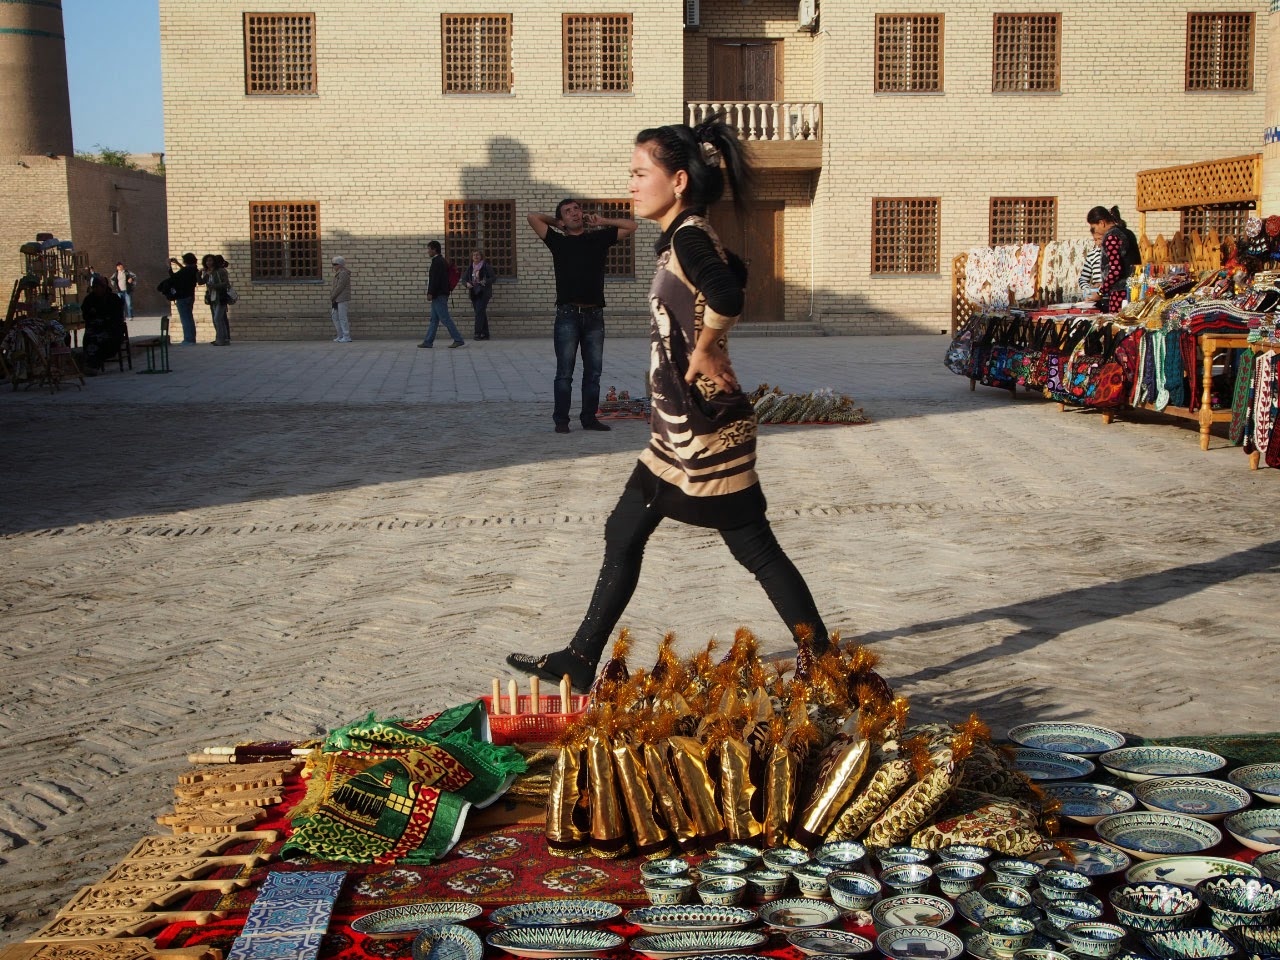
[713,363]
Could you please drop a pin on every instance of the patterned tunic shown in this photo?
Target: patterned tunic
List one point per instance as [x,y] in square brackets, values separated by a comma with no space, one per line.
[699,466]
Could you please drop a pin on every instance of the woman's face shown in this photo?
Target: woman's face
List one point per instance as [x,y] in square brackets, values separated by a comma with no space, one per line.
[1099,230]
[653,190]
[476,256]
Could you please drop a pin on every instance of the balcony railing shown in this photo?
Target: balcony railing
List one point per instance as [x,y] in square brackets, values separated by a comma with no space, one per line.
[774,121]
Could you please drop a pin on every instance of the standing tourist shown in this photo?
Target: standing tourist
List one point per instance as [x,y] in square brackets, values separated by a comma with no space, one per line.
[479,280]
[182,282]
[122,282]
[438,293]
[1119,256]
[699,467]
[217,281]
[579,246]
[340,300]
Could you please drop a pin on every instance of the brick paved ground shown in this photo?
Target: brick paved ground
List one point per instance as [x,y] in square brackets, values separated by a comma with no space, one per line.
[278,538]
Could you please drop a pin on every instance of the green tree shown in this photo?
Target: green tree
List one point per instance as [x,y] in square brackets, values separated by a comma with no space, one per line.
[107,157]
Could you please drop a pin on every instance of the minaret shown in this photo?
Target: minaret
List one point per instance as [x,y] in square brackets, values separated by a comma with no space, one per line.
[35,112]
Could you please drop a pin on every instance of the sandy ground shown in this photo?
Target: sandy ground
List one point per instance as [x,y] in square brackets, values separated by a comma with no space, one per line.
[275,539]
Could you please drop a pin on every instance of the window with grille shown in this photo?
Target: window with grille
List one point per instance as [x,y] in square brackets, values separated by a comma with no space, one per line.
[484,225]
[621,259]
[280,53]
[1229,222]
[1219,51]
[1025,52]
[1017,220]
[905,234]
[476,52]
[908,52]
[284,241]
[597,53]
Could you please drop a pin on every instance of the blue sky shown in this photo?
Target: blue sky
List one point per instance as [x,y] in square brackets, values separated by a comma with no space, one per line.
[113,66]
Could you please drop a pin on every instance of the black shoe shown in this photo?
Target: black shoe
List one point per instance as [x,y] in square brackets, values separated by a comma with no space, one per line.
[425,346]
[553,666]
[595,425]
[562,428]
[456,344]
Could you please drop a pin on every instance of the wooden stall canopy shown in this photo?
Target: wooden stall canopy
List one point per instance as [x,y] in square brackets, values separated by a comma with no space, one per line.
[1205,184]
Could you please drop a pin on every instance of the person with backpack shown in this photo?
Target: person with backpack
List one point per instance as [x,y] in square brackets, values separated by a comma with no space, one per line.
[442,277]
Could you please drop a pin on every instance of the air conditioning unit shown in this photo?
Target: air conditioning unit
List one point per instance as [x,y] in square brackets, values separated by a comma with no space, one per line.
[808,15]
[692,13]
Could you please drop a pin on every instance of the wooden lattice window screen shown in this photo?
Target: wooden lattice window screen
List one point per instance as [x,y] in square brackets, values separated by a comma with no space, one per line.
[476,52]
[284,241]
[280,53]
[909,52]
[905,234]
[597,53]
[484,225]
[1219,51]
[1025,52]
[1228,221]
[1017,220]
[621,259]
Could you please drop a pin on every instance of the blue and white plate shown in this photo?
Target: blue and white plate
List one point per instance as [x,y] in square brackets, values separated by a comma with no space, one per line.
[1188,871]
[1151,835]
[975,907]
[979,946]
[912,910]
[799,912]
[1089,802]
[1256,829]
[413,917]
[690,916]
[1081,739]
[447,942]
[1090,858]
[1049,765]
[830,943]
[543,943]
[1260,779]
[1199,797]
[664,946]
[919,943]
[555,913]
[1144,763]
[1269,864]
[1198,942]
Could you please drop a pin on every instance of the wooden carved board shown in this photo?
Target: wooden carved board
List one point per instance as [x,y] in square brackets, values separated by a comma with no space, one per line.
[249,775]
[161,871]
[99,926]
[225,820]
[170,848]
[257,797]
[131,948]
[140,897]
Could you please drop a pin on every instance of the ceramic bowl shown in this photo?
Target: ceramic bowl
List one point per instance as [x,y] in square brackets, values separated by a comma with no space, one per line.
[906,877]
[1061,884]
[1235,901]
[722,891]
[668,891]
[1082,907]
[958,876]
[1008,934]
[895,856]
[1256,829]
[1003,899]
[739,851]
[1050,765]
[1092,938]
[841,855]
[811,878]
[1039,953]
[765,884]
[1258,941]
[1149,835]
[1146,763]
[906,943]
[1154,907]
[853,891]
[1260,779]
[1017,873]
[1269,864]
[665,867]
[966,851]
[1195,943]
[1082,739]
[722,867]
[911,910]
[1199,797]
[784,859]
[1089,802]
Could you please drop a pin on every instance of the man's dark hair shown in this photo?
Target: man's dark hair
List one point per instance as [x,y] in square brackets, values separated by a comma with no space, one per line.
[564,203]
[434,245]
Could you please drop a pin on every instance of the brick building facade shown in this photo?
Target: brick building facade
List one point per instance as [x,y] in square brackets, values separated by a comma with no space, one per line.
[888,141]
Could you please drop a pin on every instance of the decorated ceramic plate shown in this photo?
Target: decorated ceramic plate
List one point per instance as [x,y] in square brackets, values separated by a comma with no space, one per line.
[447,942]
[413,917]
[1144,763]
[1081,739]
[979,946]
[1269,864]
[919,943]
[1198,797]
[912,910]
[673,919]
[1090,858]
[830,943]
[1151,835]
[1188,871]
[1089,802]
[540,943]
[1256,829]
[1260,779]
[975,908]
[1048,765]
[663,946]
[799,912]
[555,913]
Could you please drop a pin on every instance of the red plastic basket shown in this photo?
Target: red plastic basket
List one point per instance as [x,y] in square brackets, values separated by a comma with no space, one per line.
[527,727]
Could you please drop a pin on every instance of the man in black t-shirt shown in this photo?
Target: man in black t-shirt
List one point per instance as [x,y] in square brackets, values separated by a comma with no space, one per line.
[579,256]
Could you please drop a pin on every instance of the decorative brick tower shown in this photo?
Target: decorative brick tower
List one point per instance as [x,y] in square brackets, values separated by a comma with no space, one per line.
[35,112]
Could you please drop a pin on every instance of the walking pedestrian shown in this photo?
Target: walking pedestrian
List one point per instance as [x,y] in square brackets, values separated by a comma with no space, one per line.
[122,282]
[438,291]
[340,300]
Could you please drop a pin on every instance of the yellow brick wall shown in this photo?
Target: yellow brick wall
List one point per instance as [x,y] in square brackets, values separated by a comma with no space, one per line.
[33,199]
[734,20]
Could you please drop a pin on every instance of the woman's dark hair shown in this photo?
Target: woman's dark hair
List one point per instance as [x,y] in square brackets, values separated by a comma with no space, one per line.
[1103,215]
[708,153]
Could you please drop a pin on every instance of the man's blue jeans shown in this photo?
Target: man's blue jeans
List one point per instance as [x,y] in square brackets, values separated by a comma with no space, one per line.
[186,315]
[439,315]
[578,326]
[127,299]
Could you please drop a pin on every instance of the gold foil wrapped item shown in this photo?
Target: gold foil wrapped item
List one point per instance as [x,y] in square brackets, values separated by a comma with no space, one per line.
[690,764]
[843,763]
[567,816]
[737,792]
[780,795]
[609,837]
[668,797]
[651,838]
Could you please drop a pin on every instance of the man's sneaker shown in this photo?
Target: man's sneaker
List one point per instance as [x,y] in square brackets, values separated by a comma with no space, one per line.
[562,428]
[456,344]
[595,425]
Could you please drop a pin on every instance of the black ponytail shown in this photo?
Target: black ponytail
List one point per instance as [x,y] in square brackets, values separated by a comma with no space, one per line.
[1102,214]
[708,153]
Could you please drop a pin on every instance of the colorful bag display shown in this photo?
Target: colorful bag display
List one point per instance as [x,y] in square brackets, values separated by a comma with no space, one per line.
[1094,377]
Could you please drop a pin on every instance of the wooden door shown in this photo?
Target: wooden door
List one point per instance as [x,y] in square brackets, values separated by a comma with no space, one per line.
[747,71]
[758,240]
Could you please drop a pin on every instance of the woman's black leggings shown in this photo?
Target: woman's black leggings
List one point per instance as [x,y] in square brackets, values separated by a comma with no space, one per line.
[628,530]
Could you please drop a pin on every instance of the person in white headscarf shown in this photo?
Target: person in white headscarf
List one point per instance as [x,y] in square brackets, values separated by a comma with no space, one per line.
[340,300]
